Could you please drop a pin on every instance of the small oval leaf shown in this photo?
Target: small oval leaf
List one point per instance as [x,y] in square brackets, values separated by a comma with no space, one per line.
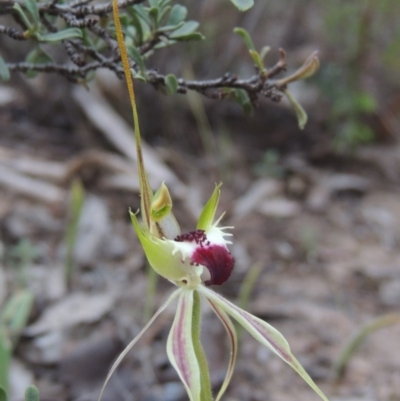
[243,5]
[246,38]
[69,33]
[33,11]
[300,112]
[32,394]
[178,14]
[171,83]
[186,29]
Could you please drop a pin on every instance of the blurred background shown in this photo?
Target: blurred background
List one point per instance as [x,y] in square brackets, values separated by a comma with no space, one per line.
[316,212]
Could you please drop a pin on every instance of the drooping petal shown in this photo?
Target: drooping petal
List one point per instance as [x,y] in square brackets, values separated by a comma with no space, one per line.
[230,329]
[171,298]
[264,333]
[207,215]
[180,348]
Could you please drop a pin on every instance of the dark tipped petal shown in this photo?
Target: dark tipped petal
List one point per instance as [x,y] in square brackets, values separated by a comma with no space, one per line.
[218,261]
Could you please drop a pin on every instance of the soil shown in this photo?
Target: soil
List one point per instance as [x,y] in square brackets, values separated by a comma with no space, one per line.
[322,228]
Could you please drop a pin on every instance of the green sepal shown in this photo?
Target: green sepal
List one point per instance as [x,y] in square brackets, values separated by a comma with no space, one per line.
[161,256]
[206,218]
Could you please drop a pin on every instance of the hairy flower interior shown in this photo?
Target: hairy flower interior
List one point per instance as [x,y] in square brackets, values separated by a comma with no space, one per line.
[215,257]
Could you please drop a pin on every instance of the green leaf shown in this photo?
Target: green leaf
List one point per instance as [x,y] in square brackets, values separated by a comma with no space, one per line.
[153,13]
[178,14]
[4,71]
[133,53]
[5,359]
[22,15]
[191,36]
[138,76]
[264,51]
[186,29]
[242,97]
[3,394]
[32,394]
[167,28]
[33,11]
[37,56]
[246,38]
[162,12]
[16,312]
[137,23]
[243,5]
[69,33]
[300,113]
[171,83]
[257,59]
[142,13]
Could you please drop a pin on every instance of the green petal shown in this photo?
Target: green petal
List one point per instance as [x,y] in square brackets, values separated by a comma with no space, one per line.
[264,333]
[180,348]
[171,298]
[207,215]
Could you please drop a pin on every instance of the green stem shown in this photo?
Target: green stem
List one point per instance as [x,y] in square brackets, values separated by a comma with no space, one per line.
[206,394]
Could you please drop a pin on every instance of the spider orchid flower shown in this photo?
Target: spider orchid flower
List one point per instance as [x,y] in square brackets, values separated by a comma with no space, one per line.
[192,261]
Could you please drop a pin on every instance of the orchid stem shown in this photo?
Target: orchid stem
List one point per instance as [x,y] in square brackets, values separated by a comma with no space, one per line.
[206,394]
[145,190]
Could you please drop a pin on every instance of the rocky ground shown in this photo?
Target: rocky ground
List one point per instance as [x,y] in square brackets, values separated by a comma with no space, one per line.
[323,230]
